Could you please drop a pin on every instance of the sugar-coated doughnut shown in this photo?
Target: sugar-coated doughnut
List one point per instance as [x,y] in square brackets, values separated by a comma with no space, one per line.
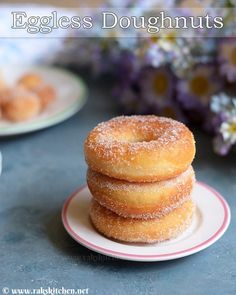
[5,94]
[20,104]
[30,81]
[141,230]
[46,94]
[140,148]
[141,200]
[2,83]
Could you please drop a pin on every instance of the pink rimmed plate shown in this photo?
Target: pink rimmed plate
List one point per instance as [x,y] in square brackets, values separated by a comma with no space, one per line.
[211,220]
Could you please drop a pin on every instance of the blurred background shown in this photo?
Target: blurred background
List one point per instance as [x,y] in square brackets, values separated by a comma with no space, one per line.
[190,78]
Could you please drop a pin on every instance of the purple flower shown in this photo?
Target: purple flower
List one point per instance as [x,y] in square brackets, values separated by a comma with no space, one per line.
[195,91]
[157,86]
[227,58]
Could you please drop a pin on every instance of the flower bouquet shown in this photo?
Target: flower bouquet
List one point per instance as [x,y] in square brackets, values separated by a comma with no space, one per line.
[191,79]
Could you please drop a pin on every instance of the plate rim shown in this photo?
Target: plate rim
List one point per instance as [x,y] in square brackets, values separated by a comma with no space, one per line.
[149,258]
[57,118]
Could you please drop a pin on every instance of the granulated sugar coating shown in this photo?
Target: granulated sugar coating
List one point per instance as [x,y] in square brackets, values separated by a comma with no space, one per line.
[138,131]
[140,148]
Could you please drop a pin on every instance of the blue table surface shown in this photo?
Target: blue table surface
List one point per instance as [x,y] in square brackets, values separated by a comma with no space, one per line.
[41,169]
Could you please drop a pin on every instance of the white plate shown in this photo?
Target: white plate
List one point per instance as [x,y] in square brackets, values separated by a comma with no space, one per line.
[210,221]
[70,98]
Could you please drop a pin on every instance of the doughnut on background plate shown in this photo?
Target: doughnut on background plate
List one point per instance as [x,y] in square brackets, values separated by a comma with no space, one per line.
[211,219]
[70,97]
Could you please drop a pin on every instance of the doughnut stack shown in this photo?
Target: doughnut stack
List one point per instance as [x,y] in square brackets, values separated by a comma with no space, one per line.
[141,178]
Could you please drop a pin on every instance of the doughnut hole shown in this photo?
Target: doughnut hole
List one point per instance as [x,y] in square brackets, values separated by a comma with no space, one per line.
[20,105]
[30,81]
[46,94]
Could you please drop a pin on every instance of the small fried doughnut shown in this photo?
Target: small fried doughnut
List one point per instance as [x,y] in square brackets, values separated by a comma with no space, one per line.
[46,94]
[2,82]
[30,81]
[140,148]
[141,230]
[5,94]
[141,200]
[20,105]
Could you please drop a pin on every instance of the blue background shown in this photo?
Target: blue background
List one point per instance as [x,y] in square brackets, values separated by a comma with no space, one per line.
[41,169]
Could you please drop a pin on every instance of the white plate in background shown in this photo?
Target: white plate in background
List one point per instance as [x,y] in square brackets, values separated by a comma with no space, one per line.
[70,97]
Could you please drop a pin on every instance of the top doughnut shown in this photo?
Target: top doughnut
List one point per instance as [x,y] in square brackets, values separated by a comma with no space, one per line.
[140,148]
